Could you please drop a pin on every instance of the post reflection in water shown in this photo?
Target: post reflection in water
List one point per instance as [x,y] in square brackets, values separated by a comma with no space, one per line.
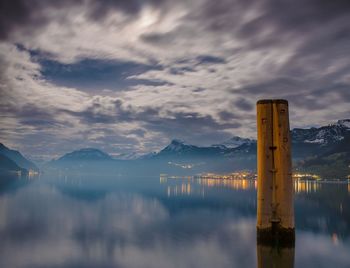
[275,257]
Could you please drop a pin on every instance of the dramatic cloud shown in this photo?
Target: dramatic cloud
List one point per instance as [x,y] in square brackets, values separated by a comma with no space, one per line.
[128,76]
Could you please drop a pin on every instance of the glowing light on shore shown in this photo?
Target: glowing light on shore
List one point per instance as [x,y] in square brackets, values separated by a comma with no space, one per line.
[244,180]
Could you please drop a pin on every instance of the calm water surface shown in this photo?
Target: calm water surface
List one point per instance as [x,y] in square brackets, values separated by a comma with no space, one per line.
[152,222]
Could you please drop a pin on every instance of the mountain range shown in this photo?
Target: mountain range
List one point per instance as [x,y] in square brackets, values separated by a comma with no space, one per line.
[324,150]
[85,154]
[331,151]
[314,149]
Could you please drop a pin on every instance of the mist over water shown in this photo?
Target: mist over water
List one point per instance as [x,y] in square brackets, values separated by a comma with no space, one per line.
[116,221]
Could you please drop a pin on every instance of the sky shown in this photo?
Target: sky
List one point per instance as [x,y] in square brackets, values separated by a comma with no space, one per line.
[128,76]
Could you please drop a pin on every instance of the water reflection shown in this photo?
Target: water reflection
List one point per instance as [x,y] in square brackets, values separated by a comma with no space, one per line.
[300,186]
[237,184]
[144,222]
[306,186]
[187,186]
[44,227]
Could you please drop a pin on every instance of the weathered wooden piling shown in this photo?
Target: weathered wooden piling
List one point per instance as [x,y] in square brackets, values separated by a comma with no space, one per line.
[275,209]
[274,257]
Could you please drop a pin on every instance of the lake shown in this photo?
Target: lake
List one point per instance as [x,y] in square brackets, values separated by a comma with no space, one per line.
[162,222]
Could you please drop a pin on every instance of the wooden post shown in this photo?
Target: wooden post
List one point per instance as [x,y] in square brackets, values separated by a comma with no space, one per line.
[275,214]
[268,256]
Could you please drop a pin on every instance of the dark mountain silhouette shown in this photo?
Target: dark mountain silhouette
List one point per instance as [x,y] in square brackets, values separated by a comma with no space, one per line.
[18,158]
[86,154]
[88,160]
[8,166]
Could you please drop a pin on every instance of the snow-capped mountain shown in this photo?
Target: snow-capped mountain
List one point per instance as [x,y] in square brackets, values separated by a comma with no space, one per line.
[344,123]
[147,156]
[85,154]
[321,144]
[178,146]
[128,156]
[235,142]
[178,149]
[306,143]
[323,136]
[333,133]
[333,158]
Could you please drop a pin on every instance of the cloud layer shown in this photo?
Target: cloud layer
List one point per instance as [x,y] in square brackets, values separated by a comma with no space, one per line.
[127,76]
